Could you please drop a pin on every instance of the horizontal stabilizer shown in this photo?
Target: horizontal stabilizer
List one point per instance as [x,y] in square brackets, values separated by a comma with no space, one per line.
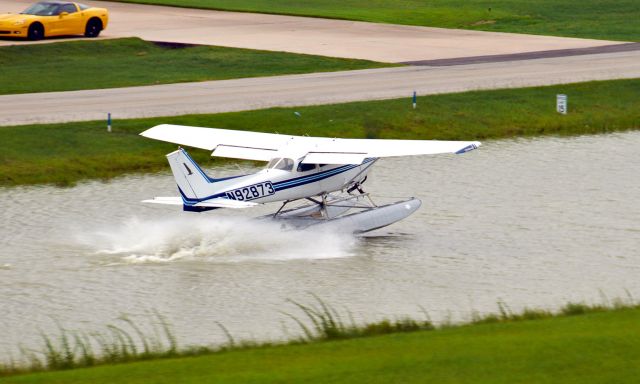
[213,203]
[173,200]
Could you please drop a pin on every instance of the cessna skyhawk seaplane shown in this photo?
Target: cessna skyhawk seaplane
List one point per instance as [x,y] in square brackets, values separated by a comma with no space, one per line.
[326,172]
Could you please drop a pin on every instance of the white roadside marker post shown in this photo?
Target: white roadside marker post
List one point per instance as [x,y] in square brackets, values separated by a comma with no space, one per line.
[561,104]
[109,122]
[415,100]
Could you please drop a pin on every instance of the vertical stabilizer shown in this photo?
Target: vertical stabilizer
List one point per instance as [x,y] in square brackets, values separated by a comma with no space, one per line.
[194,184]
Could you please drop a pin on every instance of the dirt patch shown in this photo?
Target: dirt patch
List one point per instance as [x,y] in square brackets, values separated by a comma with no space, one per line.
[483,22]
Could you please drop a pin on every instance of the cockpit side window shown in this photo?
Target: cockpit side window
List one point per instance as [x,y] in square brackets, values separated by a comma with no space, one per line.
[306,167]
[284,164]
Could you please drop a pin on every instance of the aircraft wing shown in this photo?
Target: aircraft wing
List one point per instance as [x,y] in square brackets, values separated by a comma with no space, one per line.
[213,203]
[354,151]
[315,150]
[223,142]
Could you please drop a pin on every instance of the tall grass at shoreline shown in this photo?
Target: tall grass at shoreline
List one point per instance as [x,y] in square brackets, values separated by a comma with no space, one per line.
[120,342]
[318,321]
[324,322]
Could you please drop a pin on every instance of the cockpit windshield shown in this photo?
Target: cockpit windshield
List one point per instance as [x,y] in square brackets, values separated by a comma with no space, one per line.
[43,9]
[281,163]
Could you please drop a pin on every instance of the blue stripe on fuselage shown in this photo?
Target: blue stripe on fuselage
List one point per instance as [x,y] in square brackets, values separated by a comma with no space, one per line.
[286,184]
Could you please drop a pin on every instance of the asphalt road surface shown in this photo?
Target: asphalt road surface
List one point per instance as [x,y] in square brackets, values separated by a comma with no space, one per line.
[338,38]
[310,89]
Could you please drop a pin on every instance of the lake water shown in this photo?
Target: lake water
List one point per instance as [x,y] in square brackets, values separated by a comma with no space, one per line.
[529,222]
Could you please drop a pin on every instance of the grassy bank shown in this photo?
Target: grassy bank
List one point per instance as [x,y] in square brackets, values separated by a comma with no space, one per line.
[65,153]
[597,346]
[609,19]
[131,62]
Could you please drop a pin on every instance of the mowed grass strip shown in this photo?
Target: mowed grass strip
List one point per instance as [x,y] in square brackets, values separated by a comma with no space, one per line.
[76,65]
[65,153]
[594,348]
[596,19]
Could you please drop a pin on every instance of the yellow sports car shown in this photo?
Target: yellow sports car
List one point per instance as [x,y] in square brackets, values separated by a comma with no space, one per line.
[54,18]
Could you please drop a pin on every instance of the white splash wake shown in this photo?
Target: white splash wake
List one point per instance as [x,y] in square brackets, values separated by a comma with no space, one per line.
[219,239]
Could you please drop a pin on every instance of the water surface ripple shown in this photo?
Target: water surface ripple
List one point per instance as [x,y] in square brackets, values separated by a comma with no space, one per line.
[529,222]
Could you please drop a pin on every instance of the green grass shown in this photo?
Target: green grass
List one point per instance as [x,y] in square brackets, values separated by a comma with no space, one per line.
[131,62]
[600,346]
[597,19]
[65,153]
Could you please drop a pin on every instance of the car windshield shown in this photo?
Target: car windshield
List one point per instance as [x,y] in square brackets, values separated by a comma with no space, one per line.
[43,9]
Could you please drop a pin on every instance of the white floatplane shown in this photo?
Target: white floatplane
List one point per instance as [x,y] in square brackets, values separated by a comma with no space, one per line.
[326,172]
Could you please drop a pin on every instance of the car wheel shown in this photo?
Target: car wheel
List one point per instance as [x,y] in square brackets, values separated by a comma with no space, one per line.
[36,32]
[93,28]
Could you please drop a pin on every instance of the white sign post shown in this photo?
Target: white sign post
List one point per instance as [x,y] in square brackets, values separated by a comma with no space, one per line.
[561,104]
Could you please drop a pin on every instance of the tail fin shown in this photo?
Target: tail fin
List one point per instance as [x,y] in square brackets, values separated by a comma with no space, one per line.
[194,184]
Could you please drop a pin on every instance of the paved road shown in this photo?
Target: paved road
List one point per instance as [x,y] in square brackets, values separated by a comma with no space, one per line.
[309,89]
[339,38]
